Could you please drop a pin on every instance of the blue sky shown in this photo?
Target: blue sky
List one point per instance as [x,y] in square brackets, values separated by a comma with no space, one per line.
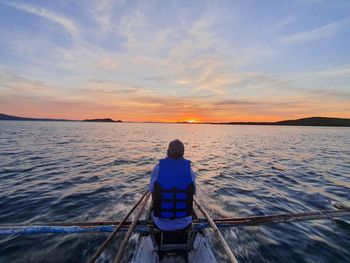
[175,60]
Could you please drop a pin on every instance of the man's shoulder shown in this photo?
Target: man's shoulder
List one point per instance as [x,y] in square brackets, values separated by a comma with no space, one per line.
[156,168]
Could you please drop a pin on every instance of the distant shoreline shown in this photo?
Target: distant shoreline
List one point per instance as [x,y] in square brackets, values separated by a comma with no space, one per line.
[101,120]
[311,121]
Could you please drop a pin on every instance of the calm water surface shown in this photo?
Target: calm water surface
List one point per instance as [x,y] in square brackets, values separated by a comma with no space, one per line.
[62,171]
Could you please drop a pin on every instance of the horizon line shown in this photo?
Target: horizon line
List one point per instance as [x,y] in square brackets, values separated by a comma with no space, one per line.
[174,122]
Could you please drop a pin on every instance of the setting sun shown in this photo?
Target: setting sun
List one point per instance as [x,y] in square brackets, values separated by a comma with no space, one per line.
[191,121]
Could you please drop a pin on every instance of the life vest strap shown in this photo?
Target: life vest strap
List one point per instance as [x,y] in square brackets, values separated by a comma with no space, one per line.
[174,190]
[175,211]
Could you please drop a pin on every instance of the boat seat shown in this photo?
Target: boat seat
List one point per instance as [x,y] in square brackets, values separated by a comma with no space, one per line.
[174,241]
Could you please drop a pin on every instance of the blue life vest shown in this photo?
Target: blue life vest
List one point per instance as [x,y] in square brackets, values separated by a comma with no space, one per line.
[174,189]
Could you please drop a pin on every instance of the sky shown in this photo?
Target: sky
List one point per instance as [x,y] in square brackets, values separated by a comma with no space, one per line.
[215,61]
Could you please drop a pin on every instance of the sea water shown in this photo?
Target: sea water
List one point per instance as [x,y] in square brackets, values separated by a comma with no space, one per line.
[76,171]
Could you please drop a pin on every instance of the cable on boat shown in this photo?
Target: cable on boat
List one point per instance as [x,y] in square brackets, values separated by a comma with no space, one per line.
[119,226]
[244,221]
[217,232]
[145,226]
[131,229]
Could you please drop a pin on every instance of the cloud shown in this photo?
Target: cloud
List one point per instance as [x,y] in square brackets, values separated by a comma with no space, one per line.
[201,60]
[102,12]
[333,95]
[51,107]
[18,83]
[285,22]
[336,72]
[106,87]
[262,103]
[335,79]
[315,34]
[66,23]
[192,56]
[140,62]
[235,102]
[129,27]
[205,74]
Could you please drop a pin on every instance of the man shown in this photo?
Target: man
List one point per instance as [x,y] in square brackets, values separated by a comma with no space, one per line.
[173,186]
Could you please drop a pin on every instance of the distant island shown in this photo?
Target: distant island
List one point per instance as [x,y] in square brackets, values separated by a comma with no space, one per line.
[317,121]
[5,117]
[102,120]
[312,121]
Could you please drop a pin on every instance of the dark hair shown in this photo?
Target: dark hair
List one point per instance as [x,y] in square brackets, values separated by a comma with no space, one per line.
[176,149]
[175,155]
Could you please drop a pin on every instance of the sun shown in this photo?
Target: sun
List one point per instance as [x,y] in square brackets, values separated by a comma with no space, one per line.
[191,121]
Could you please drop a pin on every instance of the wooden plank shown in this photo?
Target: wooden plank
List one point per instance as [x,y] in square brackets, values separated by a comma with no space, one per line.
[119,226]
[131,229]
[218,234]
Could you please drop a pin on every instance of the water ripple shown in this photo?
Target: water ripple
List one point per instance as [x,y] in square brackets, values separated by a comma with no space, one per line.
[95,171]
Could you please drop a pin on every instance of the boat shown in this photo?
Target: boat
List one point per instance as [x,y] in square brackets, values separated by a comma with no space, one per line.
[188,245]
[196,248]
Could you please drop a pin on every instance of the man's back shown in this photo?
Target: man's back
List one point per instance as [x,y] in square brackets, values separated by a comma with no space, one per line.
[172,186]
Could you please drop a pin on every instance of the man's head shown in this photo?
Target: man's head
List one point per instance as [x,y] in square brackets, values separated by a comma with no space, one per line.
[176,149]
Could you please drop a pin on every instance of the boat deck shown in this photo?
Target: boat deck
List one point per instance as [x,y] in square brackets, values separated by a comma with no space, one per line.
[201,252]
